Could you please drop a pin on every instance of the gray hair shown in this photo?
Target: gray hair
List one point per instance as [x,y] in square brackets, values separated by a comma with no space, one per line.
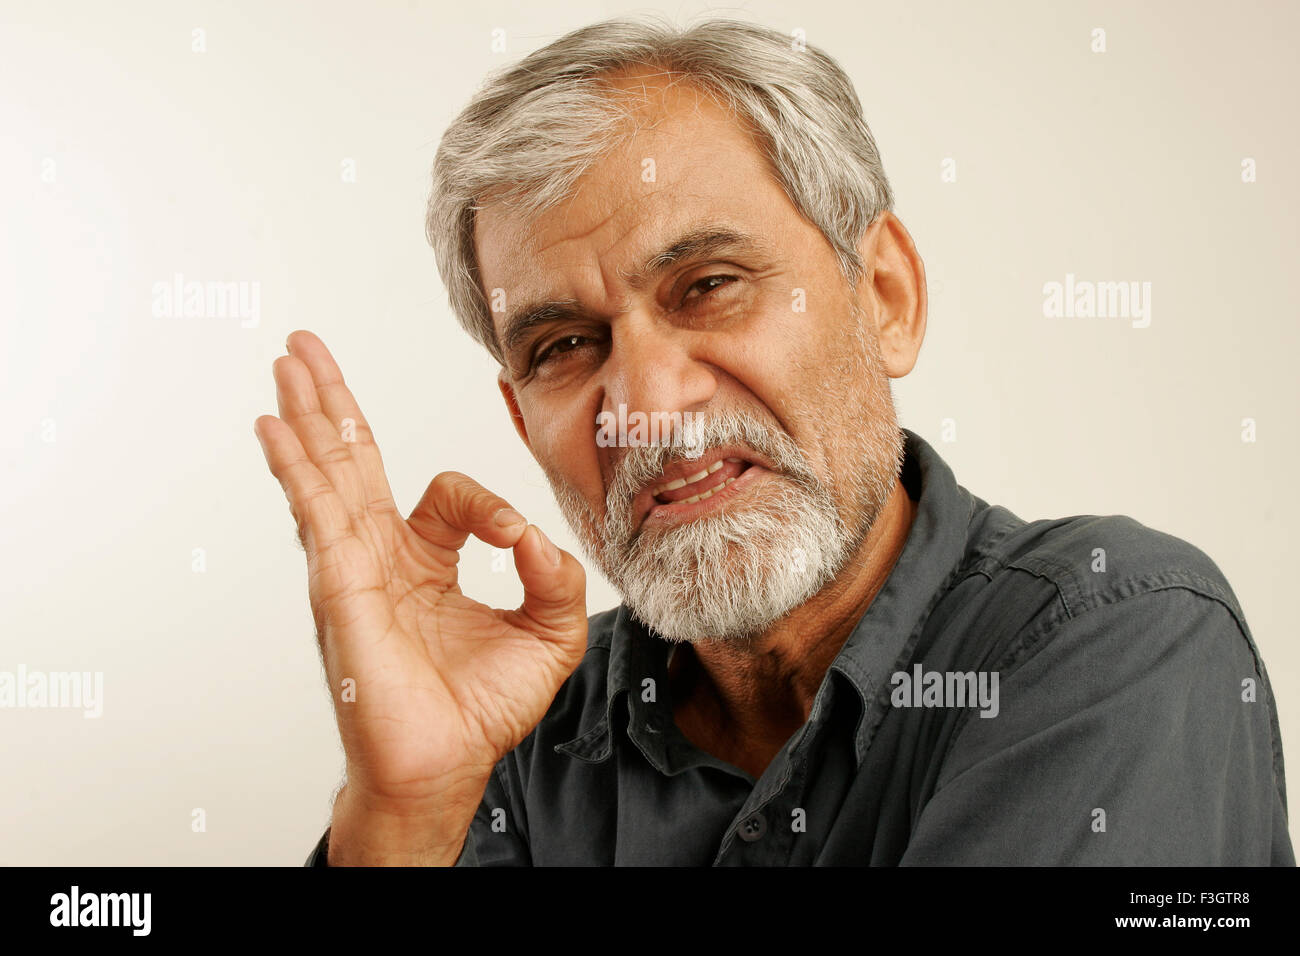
[535,127]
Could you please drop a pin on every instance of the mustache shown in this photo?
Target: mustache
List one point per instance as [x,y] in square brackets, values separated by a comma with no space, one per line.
[642,464]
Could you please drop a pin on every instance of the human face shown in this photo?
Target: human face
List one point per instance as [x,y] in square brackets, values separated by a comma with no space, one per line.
[696,288]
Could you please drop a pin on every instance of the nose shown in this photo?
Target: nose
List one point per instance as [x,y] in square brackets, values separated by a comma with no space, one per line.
[654,369]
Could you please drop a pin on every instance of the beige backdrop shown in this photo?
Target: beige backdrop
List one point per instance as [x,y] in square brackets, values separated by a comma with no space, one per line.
[286,147]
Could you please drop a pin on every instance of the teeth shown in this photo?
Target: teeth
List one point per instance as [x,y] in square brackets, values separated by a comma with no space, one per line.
[705,494]
[683,482]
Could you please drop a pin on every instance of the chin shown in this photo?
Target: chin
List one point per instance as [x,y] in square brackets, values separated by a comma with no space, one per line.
[729,582]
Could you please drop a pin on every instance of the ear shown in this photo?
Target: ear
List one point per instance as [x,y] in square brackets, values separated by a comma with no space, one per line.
[893,281]
[512,404]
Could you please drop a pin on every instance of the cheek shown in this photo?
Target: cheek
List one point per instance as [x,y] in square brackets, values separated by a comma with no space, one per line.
[805,369]
[564,443]
[764,351]
[788,360]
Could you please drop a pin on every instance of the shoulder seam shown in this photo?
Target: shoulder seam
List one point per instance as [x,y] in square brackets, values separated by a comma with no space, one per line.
[1135,587]
[1149,584]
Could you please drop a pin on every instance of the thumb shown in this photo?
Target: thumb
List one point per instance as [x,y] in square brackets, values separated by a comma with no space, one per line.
[555,584]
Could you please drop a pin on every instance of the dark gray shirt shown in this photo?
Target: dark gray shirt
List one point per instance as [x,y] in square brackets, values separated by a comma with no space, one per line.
[1131,722]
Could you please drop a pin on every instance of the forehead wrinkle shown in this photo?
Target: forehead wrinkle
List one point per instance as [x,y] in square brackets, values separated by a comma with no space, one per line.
[665,83]
[695,238]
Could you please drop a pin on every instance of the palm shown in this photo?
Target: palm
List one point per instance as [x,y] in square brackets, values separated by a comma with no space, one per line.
[428,683]
[448,681]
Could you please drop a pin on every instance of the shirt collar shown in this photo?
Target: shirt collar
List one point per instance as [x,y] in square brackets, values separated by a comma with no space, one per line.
[931,557]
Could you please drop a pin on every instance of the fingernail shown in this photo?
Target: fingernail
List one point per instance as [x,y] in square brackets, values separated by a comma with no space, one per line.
[507,517]
[551,550]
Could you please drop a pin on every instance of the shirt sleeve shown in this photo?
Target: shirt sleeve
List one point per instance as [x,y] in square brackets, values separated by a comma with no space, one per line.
[1140,732]
[496,836]
[319,855]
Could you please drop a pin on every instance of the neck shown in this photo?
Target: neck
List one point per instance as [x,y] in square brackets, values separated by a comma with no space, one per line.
[741,702]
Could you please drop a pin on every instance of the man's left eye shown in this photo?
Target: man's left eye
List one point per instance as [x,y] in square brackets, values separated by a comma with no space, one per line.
[706,285]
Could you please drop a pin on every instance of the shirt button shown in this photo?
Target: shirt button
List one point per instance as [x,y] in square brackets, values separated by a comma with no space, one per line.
[753,827]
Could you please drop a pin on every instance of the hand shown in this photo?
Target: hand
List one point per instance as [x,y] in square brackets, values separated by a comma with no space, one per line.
[444,686]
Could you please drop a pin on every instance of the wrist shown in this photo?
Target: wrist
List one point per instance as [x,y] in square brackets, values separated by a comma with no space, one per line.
[366,832]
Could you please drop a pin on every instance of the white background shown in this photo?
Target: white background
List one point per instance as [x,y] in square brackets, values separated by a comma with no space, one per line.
[226,166]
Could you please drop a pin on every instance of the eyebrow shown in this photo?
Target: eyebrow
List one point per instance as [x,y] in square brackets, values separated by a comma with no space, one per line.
[693,244]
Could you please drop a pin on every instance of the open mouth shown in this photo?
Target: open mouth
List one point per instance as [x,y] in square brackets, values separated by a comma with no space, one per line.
[703,484]
[691,489]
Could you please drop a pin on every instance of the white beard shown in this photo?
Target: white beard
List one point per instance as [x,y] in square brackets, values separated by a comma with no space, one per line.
[730,575]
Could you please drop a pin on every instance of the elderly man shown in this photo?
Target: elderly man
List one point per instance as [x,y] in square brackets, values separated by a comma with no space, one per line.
[828,651]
